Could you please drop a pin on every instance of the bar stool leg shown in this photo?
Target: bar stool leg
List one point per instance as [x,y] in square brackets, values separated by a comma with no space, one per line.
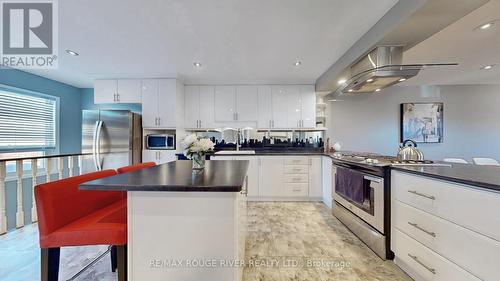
[50,264]
[122,262]
[114,258]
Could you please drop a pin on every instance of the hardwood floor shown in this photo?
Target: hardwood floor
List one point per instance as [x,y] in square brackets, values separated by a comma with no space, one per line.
[277,231]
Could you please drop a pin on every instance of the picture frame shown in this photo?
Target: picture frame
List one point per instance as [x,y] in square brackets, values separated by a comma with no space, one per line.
[422,122]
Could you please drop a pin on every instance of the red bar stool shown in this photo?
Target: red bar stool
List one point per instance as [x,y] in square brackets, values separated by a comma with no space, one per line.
[68,216]
[135,167]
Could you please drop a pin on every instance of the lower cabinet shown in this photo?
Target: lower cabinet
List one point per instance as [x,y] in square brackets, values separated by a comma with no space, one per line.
[158,156]
[442,230]
[283,178]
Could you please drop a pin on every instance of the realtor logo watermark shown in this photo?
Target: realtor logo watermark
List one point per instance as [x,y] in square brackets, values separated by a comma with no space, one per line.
[29,34]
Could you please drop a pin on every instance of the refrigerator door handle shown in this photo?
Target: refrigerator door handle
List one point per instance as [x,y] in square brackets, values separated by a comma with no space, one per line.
[94,145]
[98,146]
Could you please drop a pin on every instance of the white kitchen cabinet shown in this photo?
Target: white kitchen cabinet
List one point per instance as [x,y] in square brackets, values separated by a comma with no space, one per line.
[315,179]
[129,90]
[167,103]
[265,107]
[199,107]
[117,91]
[159,103]
[294,107]
[280,105]
[430,221]
[246,103]
[271,176]
[191,107]
[253,173]
[158,156]
[105,91]
[150,103]
[225,103]
[207,117]
[308,106]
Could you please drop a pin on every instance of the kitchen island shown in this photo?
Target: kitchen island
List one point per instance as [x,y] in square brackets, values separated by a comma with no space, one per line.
[184,224]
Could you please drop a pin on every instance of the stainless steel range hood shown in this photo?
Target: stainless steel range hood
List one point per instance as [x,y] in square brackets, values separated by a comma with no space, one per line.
[380,68]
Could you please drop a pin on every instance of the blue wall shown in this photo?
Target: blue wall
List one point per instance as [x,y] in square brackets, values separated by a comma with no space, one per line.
[70,104]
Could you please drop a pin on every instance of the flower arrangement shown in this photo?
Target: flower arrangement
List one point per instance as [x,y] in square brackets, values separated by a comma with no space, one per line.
[196,149]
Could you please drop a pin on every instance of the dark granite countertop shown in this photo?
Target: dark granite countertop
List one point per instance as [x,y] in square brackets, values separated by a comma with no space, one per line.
[218,176]
[480,176]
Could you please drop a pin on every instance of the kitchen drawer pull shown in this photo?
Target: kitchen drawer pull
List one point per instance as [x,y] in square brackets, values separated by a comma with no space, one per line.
[297,190]
[296,179]
[421,194]
[432,270]
[433,234]
[297,170]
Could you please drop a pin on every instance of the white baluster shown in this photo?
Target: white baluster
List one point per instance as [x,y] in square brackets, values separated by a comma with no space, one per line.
[80,165]
[34,175]
[3,214]
[20,211]
[60,167]
[70,166]
[48,169]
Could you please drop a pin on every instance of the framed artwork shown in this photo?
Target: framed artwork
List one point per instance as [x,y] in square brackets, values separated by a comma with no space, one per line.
[422,122]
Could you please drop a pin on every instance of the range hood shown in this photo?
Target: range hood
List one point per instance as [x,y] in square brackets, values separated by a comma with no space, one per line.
[380,68]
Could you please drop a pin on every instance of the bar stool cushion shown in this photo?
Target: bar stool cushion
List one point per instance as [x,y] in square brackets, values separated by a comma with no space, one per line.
[135,167]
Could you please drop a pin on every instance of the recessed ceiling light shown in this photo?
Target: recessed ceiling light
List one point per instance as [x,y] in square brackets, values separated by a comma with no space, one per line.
[72,53]
[487,67]
[297,63]
[350,90]
[485,26]
[369,80]
[377,90]
[402,79]
[342,81]
[197,64]
[335,100]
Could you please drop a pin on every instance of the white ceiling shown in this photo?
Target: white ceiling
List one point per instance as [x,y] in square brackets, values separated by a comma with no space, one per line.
[237,41]
[460,43]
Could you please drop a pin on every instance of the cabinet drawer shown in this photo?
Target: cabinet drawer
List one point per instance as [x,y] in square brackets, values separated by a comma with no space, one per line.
[297,161]
[472,208]
[447,239]
[296,169]
[304,178]
[296,189]
[423,264]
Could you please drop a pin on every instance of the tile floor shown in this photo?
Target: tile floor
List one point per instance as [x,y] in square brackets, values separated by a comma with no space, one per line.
[285,241]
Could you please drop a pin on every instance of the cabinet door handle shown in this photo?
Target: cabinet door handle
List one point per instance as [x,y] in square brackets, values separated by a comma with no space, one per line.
[200,124]
[422,195]
[236,116]
[114,97]
[415,258]
[159,121]
[433,234]
[273,123]
[296,190]
[117,97]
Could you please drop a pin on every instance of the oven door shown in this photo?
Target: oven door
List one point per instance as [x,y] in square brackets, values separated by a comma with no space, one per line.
[372,209]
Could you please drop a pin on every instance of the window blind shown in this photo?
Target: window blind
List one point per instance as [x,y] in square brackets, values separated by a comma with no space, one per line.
[26,122]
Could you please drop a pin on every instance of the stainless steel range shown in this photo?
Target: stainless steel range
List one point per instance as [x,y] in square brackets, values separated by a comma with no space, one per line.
[362,189]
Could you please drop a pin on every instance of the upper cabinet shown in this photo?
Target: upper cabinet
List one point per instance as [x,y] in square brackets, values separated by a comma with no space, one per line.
[236,103]
[117,91]
[199,107]
[160,103]
[285,107]
[225,103]
[308,106]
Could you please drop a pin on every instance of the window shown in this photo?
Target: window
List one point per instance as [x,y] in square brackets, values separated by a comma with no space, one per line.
[27,122]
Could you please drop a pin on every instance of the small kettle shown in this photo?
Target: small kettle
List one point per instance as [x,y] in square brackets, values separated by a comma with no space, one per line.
[408,151]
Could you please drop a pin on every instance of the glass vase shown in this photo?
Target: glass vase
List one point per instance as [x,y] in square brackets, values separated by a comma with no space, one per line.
[198,161]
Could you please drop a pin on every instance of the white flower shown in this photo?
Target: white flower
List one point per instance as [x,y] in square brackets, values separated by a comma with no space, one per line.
[189,140]
[206,145]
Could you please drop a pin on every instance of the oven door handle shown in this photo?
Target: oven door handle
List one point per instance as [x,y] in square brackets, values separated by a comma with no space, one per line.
[374,179]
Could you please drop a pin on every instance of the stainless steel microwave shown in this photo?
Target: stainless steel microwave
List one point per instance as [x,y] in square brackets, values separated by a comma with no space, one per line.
[163,141]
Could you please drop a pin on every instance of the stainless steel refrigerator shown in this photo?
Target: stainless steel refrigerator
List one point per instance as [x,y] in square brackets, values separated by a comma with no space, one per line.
[111,139]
